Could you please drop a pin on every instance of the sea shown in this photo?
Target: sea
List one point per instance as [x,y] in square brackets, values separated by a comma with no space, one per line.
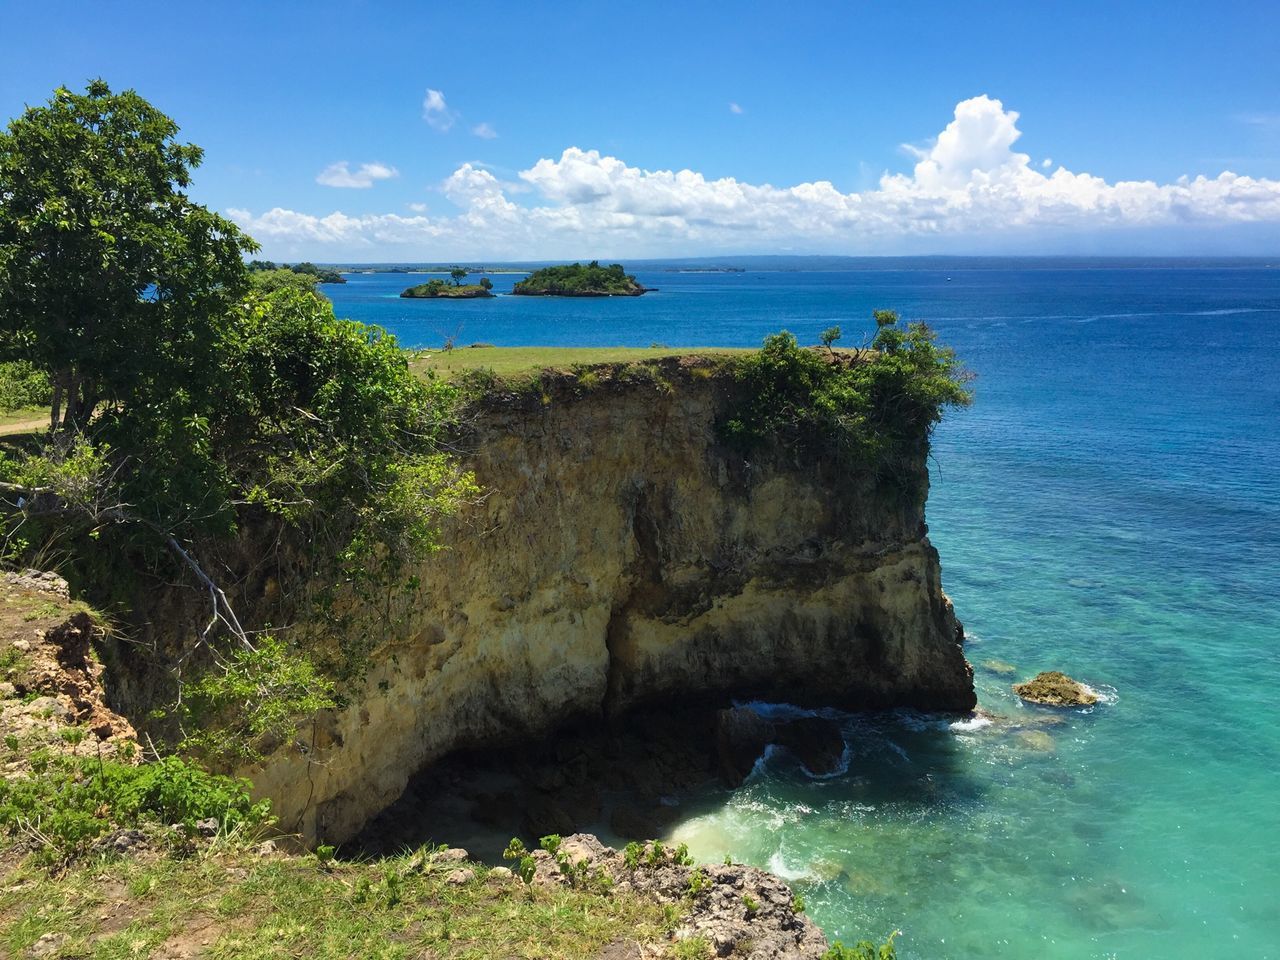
[1109,506]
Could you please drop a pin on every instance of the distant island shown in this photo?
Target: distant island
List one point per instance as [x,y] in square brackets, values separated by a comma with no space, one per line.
[577,280]
[438,289]
[322,274]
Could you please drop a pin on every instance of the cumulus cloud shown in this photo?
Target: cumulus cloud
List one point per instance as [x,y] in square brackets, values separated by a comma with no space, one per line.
[418,207]
[970,184]
[734,108]
[484,131]
[363,177]
[436,112]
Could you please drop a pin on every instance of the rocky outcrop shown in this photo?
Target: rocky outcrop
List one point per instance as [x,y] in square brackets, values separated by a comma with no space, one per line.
[622,556]
[52,680]
[1055,689]
[734,909]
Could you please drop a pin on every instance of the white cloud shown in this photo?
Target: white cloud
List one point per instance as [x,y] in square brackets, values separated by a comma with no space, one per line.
[966,190]
[734,108]
[418,207]
[341,175]
[1047,162]
[484,131]
[436,112]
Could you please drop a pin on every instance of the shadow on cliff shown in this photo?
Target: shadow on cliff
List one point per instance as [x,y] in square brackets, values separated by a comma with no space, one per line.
[654,772]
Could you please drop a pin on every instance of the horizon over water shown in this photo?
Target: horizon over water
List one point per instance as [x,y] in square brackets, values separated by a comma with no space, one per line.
[1109,506]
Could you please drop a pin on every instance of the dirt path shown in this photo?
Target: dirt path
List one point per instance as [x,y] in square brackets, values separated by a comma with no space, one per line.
[24,426]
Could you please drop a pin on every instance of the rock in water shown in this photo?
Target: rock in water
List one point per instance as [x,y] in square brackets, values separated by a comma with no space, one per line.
[816,742]
[1056,690]
[741,737]
[999,667]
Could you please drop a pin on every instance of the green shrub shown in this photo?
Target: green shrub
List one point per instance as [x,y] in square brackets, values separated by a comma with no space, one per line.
[23,385]
[863,950]
[875,413]
[71,801]
[253,701]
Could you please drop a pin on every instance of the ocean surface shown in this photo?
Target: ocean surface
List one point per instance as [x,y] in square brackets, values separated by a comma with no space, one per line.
[1109,506]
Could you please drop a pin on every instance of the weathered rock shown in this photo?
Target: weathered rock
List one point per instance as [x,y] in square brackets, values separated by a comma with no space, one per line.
[450,855]
[741,737]
[644,562]
[817,743]
[1056,690]
[739,910]
[461,876]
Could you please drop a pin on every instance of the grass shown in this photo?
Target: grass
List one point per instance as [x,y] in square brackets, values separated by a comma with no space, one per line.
[510,361]
[24,420]
[229,902]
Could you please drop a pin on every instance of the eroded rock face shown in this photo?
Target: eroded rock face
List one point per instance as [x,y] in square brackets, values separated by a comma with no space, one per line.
[1056,690]
[623,556]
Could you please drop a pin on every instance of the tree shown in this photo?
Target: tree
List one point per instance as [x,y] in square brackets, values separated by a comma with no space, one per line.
[459,274]
[111,279]
[829,336]
[486,283]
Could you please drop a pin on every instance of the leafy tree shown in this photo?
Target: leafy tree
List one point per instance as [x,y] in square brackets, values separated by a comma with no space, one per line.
[486,283]
[194,398]
[269,281]
[875,414]
[829,336]
[111,279]
[459,274]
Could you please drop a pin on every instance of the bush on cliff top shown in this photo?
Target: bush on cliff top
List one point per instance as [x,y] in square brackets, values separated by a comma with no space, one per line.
[71,801]
[871,410]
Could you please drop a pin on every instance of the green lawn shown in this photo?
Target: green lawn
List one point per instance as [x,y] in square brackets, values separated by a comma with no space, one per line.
[506,361]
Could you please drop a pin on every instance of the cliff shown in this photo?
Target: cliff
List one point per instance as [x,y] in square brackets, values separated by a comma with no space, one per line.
[622,555]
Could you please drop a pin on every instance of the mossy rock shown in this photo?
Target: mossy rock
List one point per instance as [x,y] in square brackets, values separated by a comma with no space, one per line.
[1055,689]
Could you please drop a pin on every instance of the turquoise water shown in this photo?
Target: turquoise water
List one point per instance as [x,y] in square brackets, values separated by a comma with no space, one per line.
[1110,506]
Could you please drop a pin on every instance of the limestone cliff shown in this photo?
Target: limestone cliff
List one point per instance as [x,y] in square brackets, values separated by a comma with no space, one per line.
[621,554]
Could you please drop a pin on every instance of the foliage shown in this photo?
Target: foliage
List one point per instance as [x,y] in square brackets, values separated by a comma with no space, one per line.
[254,700]
[873,412]
[863,950]
[318,274]
[525,864]
[111,280]
[698,881]
[22,385]
[188,399]
[437,288]
[458,274]
[693,948]
[580,280]
[829,336]
[71,801]
[269,281]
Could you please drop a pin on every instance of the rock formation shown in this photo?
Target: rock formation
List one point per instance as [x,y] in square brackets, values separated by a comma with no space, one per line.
[622,555]
[1056,690]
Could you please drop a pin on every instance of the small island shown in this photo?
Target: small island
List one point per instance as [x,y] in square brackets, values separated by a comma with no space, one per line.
[577,280]
[439,289]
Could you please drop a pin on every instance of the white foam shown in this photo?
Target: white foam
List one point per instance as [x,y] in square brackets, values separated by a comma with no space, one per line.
[971,724]
[778,867]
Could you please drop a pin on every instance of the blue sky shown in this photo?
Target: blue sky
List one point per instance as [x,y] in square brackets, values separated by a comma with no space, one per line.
[561,129]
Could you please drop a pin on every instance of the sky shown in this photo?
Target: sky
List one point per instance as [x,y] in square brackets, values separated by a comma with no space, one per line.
[365,132]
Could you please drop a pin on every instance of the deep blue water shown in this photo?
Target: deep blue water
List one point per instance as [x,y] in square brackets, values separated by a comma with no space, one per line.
[1110,506]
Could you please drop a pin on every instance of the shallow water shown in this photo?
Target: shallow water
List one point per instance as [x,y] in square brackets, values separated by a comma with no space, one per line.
[1110,506]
